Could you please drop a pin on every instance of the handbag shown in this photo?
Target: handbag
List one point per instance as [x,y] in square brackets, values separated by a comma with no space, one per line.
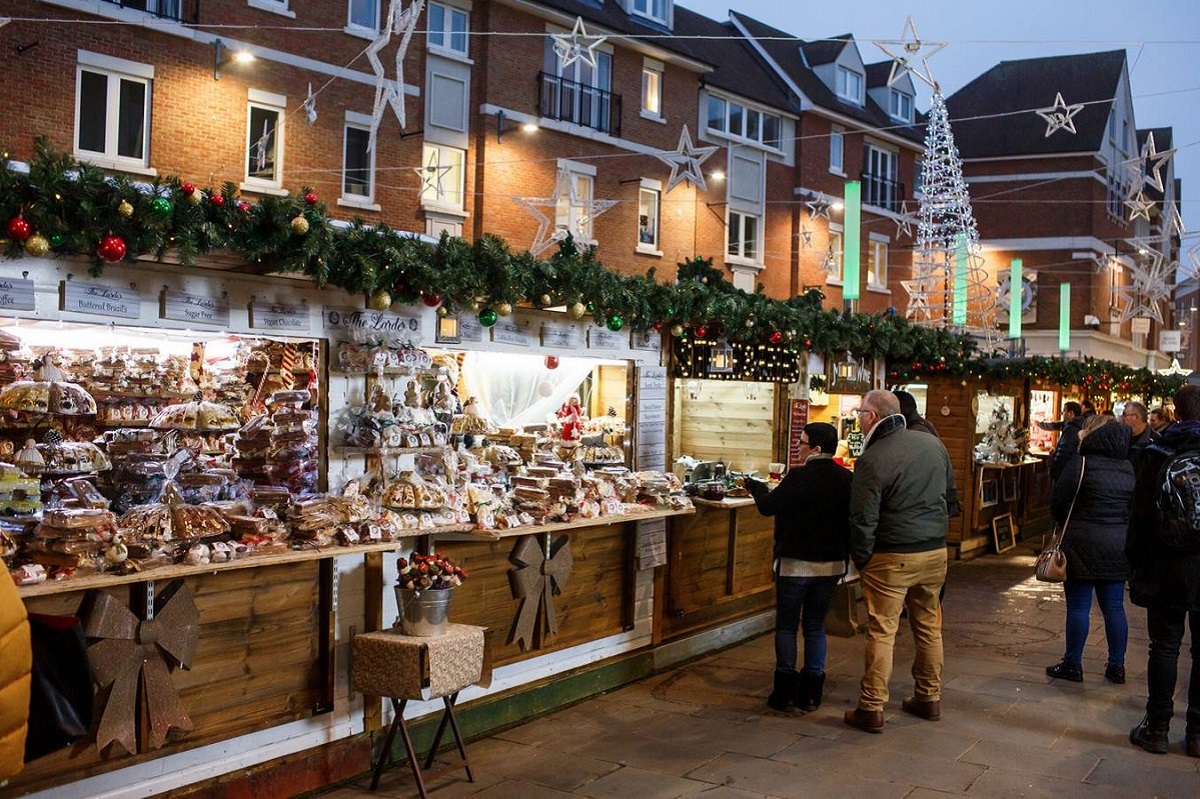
[1051,563]
[61,694]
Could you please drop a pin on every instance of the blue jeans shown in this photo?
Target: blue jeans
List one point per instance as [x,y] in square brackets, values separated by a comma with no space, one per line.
[1165,627]
[1110,595]
[801,603]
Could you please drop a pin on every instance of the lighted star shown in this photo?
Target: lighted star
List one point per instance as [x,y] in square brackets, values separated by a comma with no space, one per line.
[1151,285]
[819,206]
[828,262]
[904,220]
[432,174]
[1152,163]
[391,93]
[1139,205]
[310,106]
[1059,116]
[1192,270]
[577,45]
[906,50]
[805,235]
[582,212]
[685,162]
[1174,226]
[1103,262]
[918,299]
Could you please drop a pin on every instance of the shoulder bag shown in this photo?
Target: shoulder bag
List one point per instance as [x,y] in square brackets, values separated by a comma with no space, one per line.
[1051,564]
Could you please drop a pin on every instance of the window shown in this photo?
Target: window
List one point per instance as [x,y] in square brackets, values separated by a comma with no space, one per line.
[274,6]
[837,151]
[654,9]
[648,203]
[167,9]
[442,176]
[834,255]
[900,106]
[447,28]
[716,113]
[264,141]
[879,178]
[364,14]
[743,236]
[651,91]
[735,119]
[358,165]
[877,262]
[849,85]
[918,178]
[112,119]
[579,92]
[574,212]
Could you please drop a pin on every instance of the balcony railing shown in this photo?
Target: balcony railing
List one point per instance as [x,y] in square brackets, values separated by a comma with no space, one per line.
[881,192]
[559,98]
[163,9]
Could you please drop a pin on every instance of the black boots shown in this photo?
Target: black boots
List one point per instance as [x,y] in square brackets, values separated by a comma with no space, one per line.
[1071,672]
[784,690]
[810,690]
[1151,734]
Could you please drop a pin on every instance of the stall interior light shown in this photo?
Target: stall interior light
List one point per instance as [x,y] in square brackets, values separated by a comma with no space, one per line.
[722,358]
[448,329]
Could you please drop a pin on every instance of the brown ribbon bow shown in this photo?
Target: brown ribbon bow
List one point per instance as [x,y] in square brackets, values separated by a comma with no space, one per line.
[535,581]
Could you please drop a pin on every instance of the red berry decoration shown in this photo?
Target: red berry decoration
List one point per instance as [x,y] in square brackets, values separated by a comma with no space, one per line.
[188,189]
[111,249]
[431,300]
[311,198]
[18,228]
[776,337]
[243,206]
[218,200]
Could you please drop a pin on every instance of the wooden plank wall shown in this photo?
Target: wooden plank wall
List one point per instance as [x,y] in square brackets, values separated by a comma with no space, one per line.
[957,432]
[722,424]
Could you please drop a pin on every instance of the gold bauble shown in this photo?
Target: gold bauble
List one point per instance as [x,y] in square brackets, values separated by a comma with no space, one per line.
[125,209]
[547,299]
[37,245]
[300,227]
[473,306]
[194,198]
[504,308]
[676,330]
[380,300]
[442,311]
[576,310]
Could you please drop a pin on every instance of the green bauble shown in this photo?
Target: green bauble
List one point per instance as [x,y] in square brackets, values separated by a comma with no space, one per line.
[615,323]
[56,239]
[487,317]
[161,206]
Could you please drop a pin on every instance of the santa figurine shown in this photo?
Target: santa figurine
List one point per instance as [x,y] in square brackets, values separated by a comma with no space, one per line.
[570,416]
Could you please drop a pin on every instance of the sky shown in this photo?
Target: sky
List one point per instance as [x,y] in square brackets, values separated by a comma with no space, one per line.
[1160,36]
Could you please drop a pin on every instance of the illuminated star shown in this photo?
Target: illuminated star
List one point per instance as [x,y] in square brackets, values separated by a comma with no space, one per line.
[1174,225]
[389,93]
[1059,116]
[918,299]
[310,106]
[1139,205]
[829,262]
[577,45]
[432,174]
[1151,285]
[685,162]
[904,220]
[910,47]
[818,206]
[805,236]
[582,212]
[1151,163]
[1193,269]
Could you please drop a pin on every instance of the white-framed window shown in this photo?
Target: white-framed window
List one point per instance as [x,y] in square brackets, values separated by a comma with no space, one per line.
[448,26]
[442,176]
[578,92]
[274,6]
[573,213]
[918,178]
[743,236]
[850,85]
[649,204]
[743,122]
[112,111]
[837,151]
[652,76]
[657,10]
[265,114]
[363,15]
[900,106]
[358,161]
[877,261]
[880,177]
[835,254]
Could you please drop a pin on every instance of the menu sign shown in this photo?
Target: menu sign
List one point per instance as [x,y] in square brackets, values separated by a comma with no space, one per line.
[602,339]
[509,331]
[399,327]
[566,337]
[16,294]
[650,340]
[652,543]
[650,438]
[99,299]
[281,316]
[180,306]
[797,418]
[469,330]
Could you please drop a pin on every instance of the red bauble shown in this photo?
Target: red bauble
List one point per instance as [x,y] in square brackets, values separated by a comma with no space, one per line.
[701,331]
[551,361]
[111,248]
[657,327]
[18,228]
[188,189]
[218,200]
[776,337]
[311,198]
[431,300]
[243,206]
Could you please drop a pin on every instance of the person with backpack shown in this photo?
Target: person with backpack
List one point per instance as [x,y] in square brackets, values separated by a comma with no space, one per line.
[1092,499]
[1164,550]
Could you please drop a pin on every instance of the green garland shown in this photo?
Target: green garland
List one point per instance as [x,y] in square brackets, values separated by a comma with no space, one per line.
[69,207]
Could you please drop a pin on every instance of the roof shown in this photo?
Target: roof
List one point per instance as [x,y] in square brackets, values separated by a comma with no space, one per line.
[996,113]
[825,51]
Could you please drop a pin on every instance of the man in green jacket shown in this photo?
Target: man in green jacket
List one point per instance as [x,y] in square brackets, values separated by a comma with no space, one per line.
[901,499]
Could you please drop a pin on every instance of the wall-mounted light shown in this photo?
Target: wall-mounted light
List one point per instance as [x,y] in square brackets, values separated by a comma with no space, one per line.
[221,57]
[501,129]
[717,176]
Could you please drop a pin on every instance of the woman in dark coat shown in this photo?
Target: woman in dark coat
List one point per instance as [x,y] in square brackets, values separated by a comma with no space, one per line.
[1094,542]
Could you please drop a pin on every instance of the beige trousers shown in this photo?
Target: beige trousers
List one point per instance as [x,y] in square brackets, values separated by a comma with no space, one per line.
[892,581]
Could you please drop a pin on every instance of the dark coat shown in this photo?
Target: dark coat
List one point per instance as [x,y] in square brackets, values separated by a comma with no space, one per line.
[920,423]
[1162,577]
[1094,541]
[1068,445]
[811,506]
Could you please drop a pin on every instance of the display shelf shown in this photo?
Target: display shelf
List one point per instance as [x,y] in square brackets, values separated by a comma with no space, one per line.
[118,423]
[558,527]
[727,504]
[345,449]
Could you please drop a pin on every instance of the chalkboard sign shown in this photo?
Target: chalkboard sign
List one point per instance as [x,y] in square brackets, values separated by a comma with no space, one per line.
[1003,533]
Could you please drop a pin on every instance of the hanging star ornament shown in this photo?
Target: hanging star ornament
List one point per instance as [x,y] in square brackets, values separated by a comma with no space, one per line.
[432,173]
[310,106]
[904,220]
[906,50]
[391,93]
[582,212]
[1150,286]
[1139,205]
[819,206]
[805,235]
[918,298]
[685,162]
[1150,164]
[1059,116]
[577,45]
[828,262]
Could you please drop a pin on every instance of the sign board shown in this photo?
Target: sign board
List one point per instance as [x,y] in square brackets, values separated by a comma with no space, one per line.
[510,331]
[16,294]
[1003,534]
[600,338]
[1140,325]
[562,336]
[469,330]
[281,316]
[100,299]
[797,418]
[649,340]
[194,309]
[651,421]
[1170,340]
[855,442]
[652,543]
[401,328]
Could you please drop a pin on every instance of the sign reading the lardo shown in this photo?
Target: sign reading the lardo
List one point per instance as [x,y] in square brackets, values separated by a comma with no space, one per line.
[200,309]
[16,294]
[101,300]
[280,316]
[387,325]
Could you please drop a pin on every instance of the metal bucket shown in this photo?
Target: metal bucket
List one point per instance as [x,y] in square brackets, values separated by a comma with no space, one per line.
[424,613]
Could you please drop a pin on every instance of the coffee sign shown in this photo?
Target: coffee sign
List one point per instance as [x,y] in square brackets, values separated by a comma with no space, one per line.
[99,299]
[16,295]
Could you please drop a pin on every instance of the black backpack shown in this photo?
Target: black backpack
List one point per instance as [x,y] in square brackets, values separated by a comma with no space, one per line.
[1179,501]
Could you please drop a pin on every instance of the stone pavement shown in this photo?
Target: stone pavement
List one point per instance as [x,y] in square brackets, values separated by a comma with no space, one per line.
[704,729]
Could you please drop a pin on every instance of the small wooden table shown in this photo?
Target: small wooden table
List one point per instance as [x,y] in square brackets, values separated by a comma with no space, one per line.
[402,667]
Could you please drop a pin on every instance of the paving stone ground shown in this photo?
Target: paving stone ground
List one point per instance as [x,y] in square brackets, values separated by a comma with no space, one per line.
[704,730]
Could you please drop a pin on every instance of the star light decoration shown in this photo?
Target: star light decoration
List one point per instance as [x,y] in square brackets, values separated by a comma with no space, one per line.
[310,106]
[389,93]
[819,206]
[805,235]
[904,220]
[828,262]
[578,225]
[1059,116]
[685,162]
[1146,169]
[1139,205]
[909,47]
[1151,285]
[432,173]
[577,45]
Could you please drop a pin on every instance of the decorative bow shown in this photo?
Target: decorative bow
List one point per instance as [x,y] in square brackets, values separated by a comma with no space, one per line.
[133,652]
[535,581]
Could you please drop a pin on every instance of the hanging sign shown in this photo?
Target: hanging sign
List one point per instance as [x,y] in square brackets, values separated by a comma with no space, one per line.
[16,295]
[797,418]
[1140,325]
[649,340]
[281,316]
[180,306]
[469,330]
[1170,340]
[602,339]
[561,336]
[510,331]
[384,323]
[650,432]
[99,299]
